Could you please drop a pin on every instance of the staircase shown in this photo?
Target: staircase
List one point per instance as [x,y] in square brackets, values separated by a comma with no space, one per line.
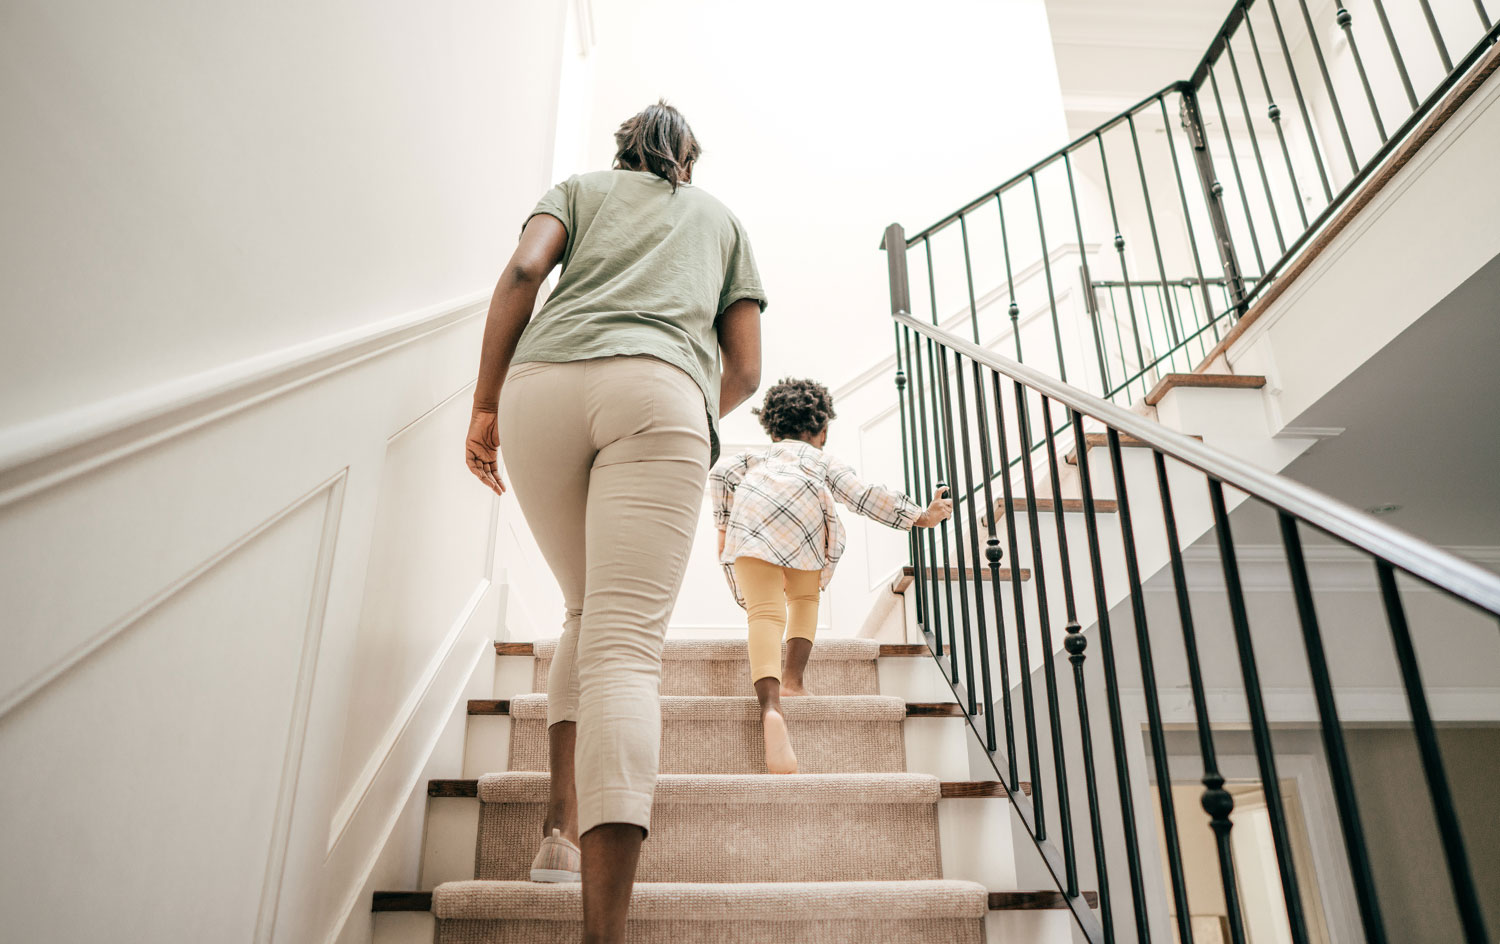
[883,836]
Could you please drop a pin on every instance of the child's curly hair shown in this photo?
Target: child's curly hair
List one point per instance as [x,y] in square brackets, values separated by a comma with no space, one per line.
[795,408]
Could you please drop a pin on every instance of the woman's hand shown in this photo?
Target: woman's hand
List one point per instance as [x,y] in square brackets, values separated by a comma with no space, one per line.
[939,510]
[481,447]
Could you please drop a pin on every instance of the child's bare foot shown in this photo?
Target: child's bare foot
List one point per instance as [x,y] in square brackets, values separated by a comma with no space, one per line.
[780,758]
[794,688]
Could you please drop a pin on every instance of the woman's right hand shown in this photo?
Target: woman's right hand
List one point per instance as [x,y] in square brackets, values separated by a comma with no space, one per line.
[940,509]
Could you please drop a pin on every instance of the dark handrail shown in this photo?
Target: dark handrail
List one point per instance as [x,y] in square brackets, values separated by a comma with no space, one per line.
[1426,562]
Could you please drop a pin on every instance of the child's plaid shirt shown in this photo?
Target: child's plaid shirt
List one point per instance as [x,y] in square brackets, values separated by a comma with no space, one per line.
[776,504]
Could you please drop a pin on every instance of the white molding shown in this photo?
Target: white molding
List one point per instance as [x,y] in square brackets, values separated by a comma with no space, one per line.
[1367,217]
[349,807]
[1355,704]
[1310,432]
[41,453]
[9,701]
[291,765]
[1331,568]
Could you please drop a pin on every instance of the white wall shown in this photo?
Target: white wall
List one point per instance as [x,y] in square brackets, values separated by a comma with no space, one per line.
[246,577]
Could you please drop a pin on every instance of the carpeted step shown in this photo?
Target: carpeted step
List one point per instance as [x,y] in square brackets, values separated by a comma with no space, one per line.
[722,667]
[705,734]
[917,912]
[743,827]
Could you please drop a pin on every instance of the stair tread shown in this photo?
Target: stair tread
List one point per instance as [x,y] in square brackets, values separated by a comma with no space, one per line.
[733,650]
[531,787]
[746,708]
[728,901]
[1102,506]
[1170,382]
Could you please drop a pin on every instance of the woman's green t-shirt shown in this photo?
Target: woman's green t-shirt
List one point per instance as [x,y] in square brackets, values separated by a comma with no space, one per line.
[646,271]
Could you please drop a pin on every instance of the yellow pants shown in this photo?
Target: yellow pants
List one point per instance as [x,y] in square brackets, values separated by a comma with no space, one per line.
[780,601]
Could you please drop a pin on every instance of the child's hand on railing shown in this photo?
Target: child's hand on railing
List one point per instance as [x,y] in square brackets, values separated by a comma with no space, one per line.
[939,510]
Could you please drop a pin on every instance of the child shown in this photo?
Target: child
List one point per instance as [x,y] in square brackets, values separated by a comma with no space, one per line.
[780,537]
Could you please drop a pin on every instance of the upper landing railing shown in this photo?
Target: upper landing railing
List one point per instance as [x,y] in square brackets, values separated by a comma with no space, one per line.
[1182,209]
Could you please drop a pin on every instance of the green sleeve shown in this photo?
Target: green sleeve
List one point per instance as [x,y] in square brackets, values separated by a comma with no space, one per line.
[557,202]
[741,278]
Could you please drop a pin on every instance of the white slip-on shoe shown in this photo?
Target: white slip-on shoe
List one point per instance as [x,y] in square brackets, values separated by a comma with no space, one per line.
[557,861]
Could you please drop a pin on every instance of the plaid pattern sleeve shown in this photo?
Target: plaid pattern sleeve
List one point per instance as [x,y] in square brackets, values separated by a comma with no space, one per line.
[724,479]
[891,509]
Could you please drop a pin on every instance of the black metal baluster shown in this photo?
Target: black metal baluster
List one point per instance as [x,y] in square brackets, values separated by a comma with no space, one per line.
[1187,213]
[908,461]
[1234,165]
[1437,36]
[992,556]
[1088,285]
[1217,802]
[1155,731]
[1013,310]
[1213,192]
[933,534]
[1390,40]
[1273,111]
[1112,699]
[1333,736]
[1333,97]
[922,482]
[940,371]
[1345,22]
[1260,729]
[1076,644]
[1044,636]
[963,566]
[1028,703]
[1460,874]
[1260,163]
[1062,367]
[1114,217]
[1291,71]
[1140,165]
[992,559]
[1484,17]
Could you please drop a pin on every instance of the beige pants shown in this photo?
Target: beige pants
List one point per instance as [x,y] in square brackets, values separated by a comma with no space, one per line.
[608,459]
[780,603]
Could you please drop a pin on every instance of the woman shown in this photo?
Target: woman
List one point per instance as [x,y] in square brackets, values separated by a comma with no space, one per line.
[608,418]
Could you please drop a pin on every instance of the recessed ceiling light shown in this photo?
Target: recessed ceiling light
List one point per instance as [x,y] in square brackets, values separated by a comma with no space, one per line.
[1383,509]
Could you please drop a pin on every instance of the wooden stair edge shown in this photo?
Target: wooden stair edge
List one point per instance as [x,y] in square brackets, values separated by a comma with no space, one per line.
[1357,202]
[914,709]
[1043,900]
[908,575]
[1039,900]
[515,648]
[948,789]
[1170,382]
[1100,440]
[887,649]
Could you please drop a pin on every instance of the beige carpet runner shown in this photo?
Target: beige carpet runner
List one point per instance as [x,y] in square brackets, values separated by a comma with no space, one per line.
[847,850]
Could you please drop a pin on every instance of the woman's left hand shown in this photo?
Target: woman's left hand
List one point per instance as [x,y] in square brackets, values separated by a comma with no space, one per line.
[481,450]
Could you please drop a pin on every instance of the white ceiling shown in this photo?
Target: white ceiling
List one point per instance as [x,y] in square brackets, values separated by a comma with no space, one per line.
[1112,54]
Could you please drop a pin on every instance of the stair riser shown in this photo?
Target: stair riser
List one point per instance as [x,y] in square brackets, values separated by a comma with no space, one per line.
[772,842]
[973,843]
[737,747]
[718,677]
[936,746]
[926,931]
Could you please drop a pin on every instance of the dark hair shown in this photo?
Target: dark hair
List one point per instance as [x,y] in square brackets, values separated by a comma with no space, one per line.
[796,408]
[657,140]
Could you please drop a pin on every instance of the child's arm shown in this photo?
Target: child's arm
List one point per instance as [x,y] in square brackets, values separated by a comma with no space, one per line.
[723,479]
[888,507]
